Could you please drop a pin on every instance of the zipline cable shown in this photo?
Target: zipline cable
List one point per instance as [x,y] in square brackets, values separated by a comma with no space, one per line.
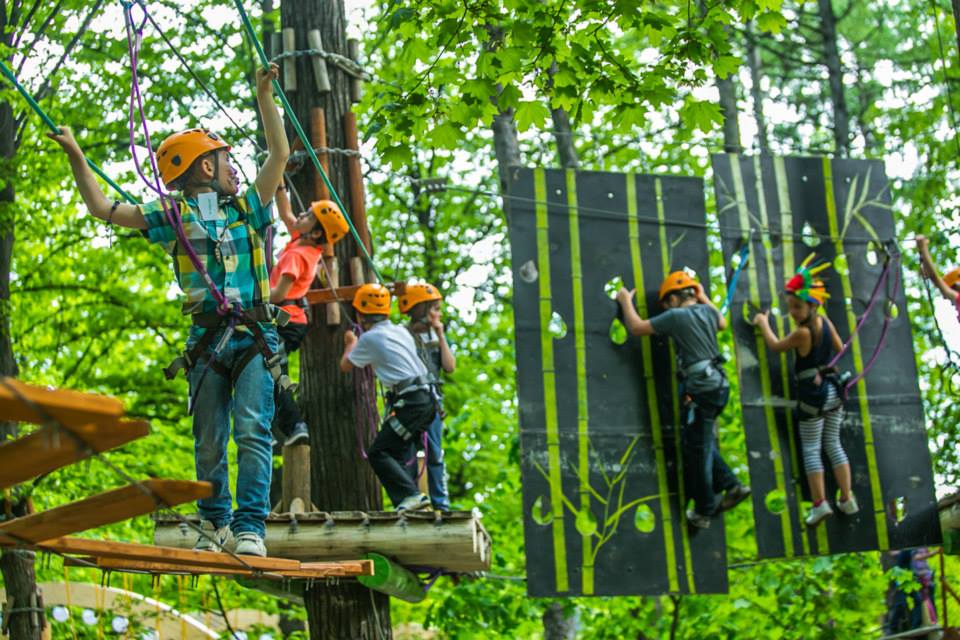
[303,136]
[9,75]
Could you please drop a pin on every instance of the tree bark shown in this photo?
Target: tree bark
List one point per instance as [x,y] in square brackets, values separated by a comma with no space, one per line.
[559,624]
[731,115]
[756,93]
[506,145]
[17,567]
[341,479]
[831,54]
[562,133]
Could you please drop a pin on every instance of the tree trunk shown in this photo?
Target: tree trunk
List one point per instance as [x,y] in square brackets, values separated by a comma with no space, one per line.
[505,142]
[559,624]
[956,23]
[16,566]
[731,115]
[341,479]
[756,93]
[841,121]
[562,133]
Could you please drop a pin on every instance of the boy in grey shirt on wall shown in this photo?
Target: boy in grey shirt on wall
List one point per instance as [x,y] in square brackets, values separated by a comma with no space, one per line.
[692,321]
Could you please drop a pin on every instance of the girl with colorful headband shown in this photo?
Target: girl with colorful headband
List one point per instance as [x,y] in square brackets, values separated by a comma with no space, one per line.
[819,401]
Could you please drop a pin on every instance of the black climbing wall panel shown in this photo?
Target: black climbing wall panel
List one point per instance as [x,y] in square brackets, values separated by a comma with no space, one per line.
[602,515]
[840,209]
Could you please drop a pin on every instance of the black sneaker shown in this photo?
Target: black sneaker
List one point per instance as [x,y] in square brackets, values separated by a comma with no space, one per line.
[299,435]
[733,497]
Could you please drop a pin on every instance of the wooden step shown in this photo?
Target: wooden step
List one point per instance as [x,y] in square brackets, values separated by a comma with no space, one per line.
[309,570]
[48,448]
[70,408]
[147,552]
[104,508]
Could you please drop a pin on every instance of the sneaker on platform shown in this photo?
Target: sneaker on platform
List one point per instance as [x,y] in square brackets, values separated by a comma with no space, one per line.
[414,503]
[818,513]
[250,544]
[848,507]
[697,520]
[212,539]
[733,497]
[299,435]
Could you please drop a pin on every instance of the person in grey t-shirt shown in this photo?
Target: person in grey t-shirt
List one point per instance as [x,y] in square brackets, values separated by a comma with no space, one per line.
[692,321]
[392,353]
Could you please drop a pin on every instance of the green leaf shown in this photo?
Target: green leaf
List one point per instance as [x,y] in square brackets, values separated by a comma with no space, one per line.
[725,65]
[530,113]
[701,114]
[446,136]
[771,22]
[586,523]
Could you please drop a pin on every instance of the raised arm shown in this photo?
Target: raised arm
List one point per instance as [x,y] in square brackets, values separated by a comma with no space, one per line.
[99,206]
[448,361]
[635,324]
[795,340]
[279,292]
[929,270]
[703,299]
[278,149]
[349,342]
[284,210]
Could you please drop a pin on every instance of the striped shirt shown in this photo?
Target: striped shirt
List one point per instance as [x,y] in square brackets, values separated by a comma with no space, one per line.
[230,246]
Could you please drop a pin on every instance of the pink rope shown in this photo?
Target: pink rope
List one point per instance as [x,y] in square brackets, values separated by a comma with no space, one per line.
[863,319]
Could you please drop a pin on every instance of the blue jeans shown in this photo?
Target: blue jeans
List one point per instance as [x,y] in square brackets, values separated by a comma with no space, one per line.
[250,401]
[436,468]
[708,474]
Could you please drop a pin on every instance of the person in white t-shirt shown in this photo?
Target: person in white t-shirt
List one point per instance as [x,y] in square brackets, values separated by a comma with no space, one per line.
[411,404]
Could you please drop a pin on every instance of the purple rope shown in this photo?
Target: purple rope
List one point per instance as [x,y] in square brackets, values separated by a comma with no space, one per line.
[365,403]
[863,319]
[883,335]
[170,209]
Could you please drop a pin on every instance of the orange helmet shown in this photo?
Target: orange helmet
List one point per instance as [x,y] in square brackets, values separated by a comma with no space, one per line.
[330,217]
[675,282]
[414,294]
[952,277]
[372,299]
[178,151]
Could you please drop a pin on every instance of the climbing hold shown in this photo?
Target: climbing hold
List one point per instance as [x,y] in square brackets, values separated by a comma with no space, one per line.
[644,520]
[557,327]
[540,512]
[618,332]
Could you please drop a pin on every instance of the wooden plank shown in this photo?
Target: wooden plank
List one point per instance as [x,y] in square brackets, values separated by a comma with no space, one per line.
[49,448]
[149,552]
[318,137]
[71,408]
[346,293]
[358,207]
[104,508]
[346,569]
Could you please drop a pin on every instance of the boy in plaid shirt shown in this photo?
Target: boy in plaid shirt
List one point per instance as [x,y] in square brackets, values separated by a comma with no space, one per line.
[224,229]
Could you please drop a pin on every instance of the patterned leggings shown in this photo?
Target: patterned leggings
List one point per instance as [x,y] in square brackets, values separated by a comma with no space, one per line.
[823,432]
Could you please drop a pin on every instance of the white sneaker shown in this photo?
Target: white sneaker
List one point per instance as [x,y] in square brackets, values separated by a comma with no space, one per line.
[250,544]
[818,513]
[697,520]
[850,506]
[414,503]
[212,539]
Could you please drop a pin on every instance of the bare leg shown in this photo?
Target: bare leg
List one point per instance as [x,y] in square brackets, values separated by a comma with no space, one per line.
[842,473]
[815,482]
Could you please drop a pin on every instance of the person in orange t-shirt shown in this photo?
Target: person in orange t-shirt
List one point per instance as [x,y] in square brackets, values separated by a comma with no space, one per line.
[290,279]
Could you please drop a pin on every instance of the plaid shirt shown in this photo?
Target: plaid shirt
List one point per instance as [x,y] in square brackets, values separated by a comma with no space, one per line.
[238,268]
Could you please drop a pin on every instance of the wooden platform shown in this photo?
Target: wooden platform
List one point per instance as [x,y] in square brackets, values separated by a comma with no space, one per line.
[456,543]
[346,293]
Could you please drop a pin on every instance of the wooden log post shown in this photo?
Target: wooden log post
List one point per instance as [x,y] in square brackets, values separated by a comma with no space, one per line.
[357,275]
[318,137]
[296,476]
[319,64]
[289,64]
[333,310]
[358,204]
[393,579]
[356,84]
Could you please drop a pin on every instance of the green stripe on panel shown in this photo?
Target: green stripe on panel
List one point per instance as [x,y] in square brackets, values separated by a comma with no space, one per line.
[583,442]
[549,382]
[780,323]
[651,387]
[681,488]
[766,385]
[789,266]
[857,354]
